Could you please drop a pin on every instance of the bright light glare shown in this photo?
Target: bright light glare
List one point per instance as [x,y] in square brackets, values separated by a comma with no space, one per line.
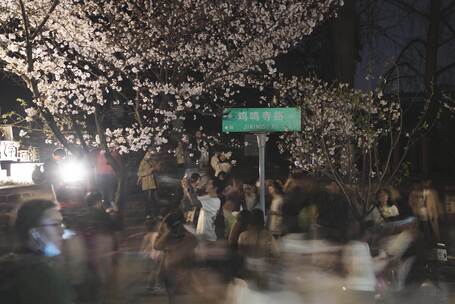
[67,234]
[73,172]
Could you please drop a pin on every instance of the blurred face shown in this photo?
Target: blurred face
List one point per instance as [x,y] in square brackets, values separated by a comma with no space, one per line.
[248,189]
[51,227]
[198,134]
[222,157]
[417,197]
[58,157]
[196,183]
[271,189]
[210,187]
[383,197]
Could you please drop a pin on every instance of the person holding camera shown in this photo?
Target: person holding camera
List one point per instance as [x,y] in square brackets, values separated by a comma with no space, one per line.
[178,246]
[190,188]
[210,206]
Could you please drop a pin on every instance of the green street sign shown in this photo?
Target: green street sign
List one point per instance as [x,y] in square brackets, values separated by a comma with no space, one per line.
[261,120]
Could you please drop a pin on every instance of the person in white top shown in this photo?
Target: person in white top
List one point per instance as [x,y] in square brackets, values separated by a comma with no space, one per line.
[387,210]
[210,205]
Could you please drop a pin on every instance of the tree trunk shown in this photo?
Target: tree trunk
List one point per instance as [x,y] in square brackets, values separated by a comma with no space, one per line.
[118,168]
[119,199]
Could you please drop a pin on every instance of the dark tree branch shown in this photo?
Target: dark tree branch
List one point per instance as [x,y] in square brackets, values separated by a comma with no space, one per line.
[48,118]
[407,7]
[448,25]
[78,131]
[43,22]
[444,69]
[444,42]
[448,9]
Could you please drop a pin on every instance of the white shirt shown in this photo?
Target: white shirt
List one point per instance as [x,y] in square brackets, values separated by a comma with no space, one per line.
[391,211]
[206,223]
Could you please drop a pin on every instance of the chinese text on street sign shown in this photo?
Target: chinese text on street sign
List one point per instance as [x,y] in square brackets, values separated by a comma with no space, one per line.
[8,150]
[261,120]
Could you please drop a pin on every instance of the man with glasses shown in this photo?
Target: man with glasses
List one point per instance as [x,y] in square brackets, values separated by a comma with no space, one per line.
[27,276]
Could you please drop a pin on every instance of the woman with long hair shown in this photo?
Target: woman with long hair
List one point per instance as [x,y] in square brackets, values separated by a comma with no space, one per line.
[275,223]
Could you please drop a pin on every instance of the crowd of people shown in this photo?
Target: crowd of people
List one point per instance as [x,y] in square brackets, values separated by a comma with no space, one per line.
[224,210]
[216,235]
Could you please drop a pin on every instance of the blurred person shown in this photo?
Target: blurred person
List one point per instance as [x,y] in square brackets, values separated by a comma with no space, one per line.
[89,257]
[434,207]
[307,206]
[105,175]
[191,186]
[180,152]
[186,155]
[220,162]
[147,180]
[373,217]
[333,213]
[203,148]
[100,225]
[230,216]
[294,200]
[387,209]
[275,218]
[203,151]
[360,273]
[52,165]
[29,275]
[222,180]
[177,245]
[240,225]
[258,246]
[250,197]
[52,171]
[257,241]
[234,192]
[210,205]
[424,203]
[401,201]
[153,257]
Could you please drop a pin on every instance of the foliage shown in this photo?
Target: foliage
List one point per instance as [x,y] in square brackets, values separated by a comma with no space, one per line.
[121,73]
[342,129]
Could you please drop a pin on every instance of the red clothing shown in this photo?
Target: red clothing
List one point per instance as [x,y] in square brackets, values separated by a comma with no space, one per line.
[102,165]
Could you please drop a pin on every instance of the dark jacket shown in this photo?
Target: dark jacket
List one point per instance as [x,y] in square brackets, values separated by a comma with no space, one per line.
[29,278]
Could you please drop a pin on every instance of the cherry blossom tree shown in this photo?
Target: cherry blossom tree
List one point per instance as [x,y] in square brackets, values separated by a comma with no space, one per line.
[123,74]
[347,135]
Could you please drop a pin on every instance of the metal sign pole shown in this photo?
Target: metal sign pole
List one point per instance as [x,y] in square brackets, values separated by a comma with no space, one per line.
[262,138]
[259,121]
